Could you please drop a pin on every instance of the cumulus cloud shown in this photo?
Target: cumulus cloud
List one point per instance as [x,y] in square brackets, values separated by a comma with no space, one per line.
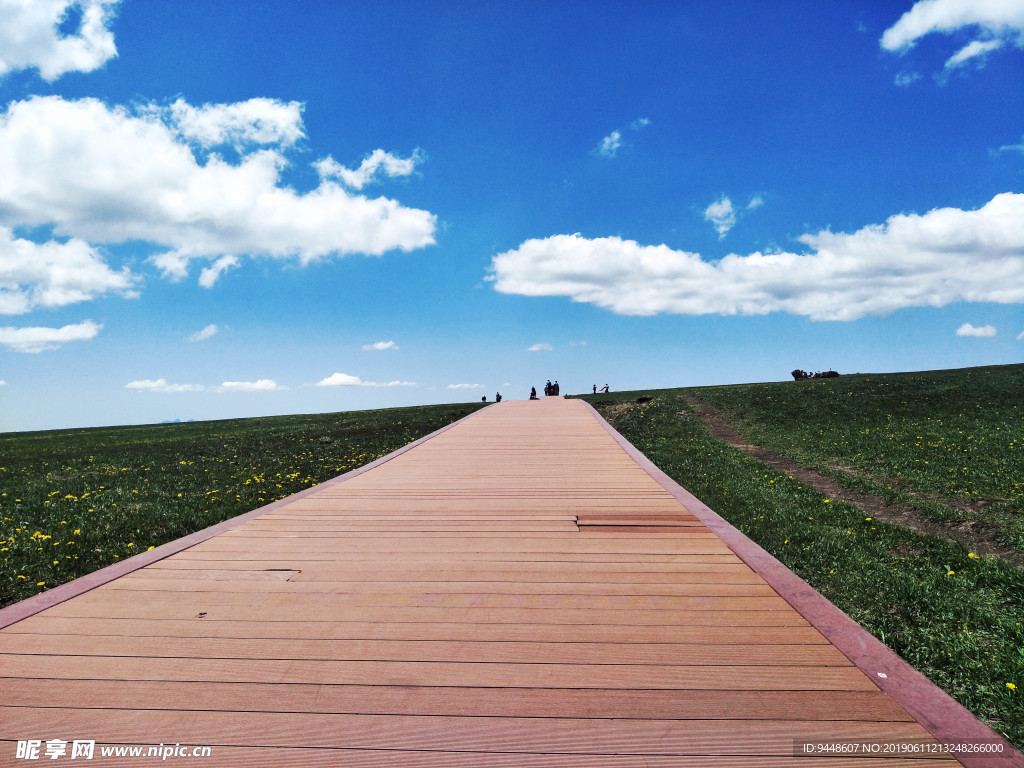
[208,277]
[933,259]
[204,334]
[262,385]
[54,274]
[609,145]
[721,215]
[36,339]
[378,163]
[379,346]
[345,380]
[161,385]
[255,121]
[31,36]
[110,175]
[997,22]
[3,383]
[541,347]
[982,331]
[464,386]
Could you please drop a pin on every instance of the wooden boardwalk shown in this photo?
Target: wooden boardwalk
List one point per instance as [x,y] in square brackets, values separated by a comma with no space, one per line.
[519,590]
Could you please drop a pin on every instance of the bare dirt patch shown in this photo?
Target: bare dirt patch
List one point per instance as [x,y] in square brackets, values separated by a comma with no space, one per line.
[612,412]
[972,534]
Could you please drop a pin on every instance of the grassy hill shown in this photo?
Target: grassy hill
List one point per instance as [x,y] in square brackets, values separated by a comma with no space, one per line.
[940,452]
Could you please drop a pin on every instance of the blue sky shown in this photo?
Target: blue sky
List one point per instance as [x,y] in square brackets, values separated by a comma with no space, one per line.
[212,209]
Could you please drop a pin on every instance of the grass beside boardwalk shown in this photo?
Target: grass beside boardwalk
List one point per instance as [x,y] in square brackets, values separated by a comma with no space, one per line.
[950,443]
[957,618]
[74,501]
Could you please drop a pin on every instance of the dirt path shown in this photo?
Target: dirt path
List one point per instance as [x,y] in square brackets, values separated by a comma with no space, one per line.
[969,533]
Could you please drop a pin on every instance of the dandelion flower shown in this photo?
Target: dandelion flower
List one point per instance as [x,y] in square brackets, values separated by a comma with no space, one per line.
[1011,686]
[950,573]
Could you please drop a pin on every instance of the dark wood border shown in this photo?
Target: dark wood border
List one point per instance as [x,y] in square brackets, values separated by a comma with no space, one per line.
[40,602]
[941,715]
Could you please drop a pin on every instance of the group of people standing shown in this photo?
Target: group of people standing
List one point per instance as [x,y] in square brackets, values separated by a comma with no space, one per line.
[550,390]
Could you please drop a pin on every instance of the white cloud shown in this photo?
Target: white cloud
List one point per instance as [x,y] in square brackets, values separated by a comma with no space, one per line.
[3,383]
[35,339]
[1020,336]
[378,163]
[609,145]
[109,175]
[972,50]
[379,346]
[755,202]
[209,275]
[54,274]
[262,385]
[204,334]
[345,380]
[721,215]
[541,347]
[904,79]
[30,36]
[998,21]
[161,385]
[946,255]
[1013,147]
[982,331]
[255,121]
[464,386]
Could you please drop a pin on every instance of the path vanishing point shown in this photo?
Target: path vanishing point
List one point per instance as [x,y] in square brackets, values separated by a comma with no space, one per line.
[521,589]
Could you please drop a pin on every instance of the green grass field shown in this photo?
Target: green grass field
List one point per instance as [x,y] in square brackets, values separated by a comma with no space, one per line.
[74,501]
[950,443]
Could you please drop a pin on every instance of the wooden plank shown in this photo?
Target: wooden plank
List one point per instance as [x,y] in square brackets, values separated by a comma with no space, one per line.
[529,652]
[844,706]
[459,734]
[292,585]
[655,677]
[689,632]
[266,602]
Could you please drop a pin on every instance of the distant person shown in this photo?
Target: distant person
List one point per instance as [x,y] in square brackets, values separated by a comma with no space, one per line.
[497,397]
[555,388]
[483,399]
[547,389]
[604,388]
[595,389]
[533,393]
